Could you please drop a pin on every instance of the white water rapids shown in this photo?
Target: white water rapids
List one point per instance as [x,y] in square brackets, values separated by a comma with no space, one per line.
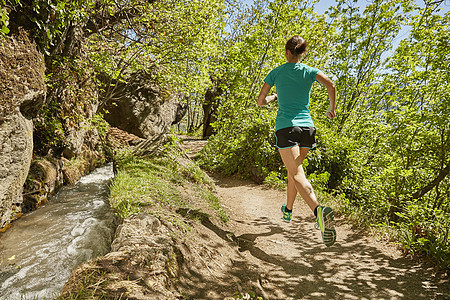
[40,250]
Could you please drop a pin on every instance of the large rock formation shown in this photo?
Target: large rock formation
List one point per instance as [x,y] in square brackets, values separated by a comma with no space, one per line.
[22,93]
[141,108]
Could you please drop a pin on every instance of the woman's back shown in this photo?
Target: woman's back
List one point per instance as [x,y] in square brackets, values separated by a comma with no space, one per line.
[293,82]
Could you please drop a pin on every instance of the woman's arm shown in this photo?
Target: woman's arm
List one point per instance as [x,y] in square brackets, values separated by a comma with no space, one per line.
[331,89]
[263,99]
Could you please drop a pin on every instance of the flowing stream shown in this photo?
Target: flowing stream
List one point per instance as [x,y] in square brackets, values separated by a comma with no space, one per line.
[40,250]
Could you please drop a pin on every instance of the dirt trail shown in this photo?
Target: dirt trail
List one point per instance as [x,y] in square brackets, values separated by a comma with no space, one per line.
[289,261]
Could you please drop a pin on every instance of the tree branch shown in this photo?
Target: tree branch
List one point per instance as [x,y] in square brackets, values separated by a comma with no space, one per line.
[442,174]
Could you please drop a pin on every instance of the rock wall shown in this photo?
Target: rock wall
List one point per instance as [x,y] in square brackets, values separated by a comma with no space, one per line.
[22,93]
[16,150]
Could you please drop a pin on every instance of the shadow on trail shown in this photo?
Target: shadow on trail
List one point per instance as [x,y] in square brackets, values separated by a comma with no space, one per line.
[350,269]
[353,269]
[225,181]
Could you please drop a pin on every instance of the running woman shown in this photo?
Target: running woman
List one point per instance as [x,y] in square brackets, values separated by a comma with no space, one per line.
[295,131]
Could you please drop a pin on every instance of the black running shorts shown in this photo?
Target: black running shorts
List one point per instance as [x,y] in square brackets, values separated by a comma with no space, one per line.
[304,137]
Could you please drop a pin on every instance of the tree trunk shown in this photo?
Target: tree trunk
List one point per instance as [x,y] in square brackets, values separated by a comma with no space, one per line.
[209,108]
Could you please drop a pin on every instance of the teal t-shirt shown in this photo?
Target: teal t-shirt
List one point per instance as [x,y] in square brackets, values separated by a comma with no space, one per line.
[293,82]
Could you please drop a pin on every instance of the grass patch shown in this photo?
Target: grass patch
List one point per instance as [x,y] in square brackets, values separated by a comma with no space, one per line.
[142,182]
[161,184]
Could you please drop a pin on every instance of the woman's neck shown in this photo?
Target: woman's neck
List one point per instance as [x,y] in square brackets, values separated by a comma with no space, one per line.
[292,58]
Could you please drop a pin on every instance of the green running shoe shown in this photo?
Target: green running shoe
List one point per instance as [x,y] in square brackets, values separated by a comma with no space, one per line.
[325,222]
[287,216]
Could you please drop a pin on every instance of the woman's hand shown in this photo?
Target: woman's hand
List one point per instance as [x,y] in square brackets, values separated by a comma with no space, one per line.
[271,98]
[331,113]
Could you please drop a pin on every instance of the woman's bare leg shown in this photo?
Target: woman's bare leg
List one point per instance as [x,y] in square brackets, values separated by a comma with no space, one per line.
[292,159]
[291,192]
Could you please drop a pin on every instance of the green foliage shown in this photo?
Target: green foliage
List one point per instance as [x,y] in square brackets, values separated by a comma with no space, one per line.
[4,19]
[357,48]
[331,160]
[251,149]
[49,131]
[424,231]
[101,125]
[274,180]
[48,21]
[174,40]
[386,155]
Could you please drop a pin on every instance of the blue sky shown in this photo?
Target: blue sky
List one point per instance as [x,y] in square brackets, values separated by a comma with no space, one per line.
[323,5]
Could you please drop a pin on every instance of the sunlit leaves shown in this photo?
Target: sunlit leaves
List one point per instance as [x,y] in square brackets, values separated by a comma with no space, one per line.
[175,40]
[4,19]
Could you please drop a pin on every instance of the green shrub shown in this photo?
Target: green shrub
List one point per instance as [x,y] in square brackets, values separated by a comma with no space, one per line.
[424,231]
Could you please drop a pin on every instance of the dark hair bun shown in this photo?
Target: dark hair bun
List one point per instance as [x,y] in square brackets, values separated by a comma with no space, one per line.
[300,48]
[296,45]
